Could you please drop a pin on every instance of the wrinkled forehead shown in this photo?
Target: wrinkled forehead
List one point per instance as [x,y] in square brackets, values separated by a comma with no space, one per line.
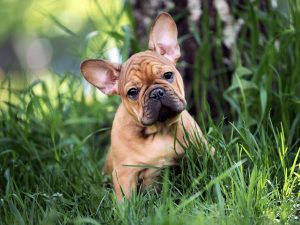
[144,65]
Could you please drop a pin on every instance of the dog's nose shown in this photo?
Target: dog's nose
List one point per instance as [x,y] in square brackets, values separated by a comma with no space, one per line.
[157,93]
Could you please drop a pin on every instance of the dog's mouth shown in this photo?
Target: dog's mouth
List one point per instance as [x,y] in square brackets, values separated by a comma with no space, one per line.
[163,108]
[165,113]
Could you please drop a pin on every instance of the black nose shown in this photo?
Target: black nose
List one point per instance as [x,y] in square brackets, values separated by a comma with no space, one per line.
[157,93]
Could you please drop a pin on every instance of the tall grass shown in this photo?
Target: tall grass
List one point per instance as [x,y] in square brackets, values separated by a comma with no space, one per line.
[264,62]
[53,140]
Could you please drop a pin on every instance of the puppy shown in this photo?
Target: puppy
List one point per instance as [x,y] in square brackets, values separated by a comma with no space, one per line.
[152,112]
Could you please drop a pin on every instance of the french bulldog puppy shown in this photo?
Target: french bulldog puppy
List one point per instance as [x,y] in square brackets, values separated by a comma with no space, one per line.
[152,112]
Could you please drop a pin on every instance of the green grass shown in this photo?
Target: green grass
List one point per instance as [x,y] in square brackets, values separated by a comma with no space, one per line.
[53,144]
[53,140]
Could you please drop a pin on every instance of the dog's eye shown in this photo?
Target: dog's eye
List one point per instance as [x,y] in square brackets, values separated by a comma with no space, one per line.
[133,93]
[169,76]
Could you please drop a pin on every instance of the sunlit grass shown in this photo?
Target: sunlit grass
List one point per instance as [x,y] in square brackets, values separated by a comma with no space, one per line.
[53,148]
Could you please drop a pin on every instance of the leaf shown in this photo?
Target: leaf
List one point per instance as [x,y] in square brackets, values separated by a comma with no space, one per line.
[263,99]
[242,71]
[86,220]
[145,166]
[225,174]
[81,120]
[91,35]
[126,45]
[60,25]
[16,213]
[241,83]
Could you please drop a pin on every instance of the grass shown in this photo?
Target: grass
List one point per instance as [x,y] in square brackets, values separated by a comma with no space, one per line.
[53,146]
[53,140]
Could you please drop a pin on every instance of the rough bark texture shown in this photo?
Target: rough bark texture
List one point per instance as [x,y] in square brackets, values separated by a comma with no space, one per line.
[145,12]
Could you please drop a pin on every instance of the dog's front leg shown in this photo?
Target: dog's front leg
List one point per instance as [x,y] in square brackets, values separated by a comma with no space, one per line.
[125,181]
[189,124]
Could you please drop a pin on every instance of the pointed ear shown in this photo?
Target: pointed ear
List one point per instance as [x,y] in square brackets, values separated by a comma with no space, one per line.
[163,37]
[102,74]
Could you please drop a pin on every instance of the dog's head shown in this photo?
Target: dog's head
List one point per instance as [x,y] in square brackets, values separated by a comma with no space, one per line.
[148,82]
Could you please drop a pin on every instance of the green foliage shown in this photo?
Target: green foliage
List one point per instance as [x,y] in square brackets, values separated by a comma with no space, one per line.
[266,73]
[53,142]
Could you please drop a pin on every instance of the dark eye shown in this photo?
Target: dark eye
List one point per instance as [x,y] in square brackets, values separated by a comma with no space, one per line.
[168,76]
[133,93]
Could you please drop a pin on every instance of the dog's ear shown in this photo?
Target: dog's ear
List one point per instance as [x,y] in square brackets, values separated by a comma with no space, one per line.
[102,74]
[163,37]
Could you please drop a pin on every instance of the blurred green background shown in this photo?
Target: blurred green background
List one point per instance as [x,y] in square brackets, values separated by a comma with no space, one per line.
[38,36]
[218,39]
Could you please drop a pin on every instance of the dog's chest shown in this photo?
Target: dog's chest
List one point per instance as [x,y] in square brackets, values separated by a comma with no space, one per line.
[156,130]
[158,149]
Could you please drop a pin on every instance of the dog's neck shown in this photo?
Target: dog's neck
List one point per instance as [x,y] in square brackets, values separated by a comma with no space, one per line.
[129,122]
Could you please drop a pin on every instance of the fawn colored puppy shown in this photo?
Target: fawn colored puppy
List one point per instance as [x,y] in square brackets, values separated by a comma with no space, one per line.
[152,112]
